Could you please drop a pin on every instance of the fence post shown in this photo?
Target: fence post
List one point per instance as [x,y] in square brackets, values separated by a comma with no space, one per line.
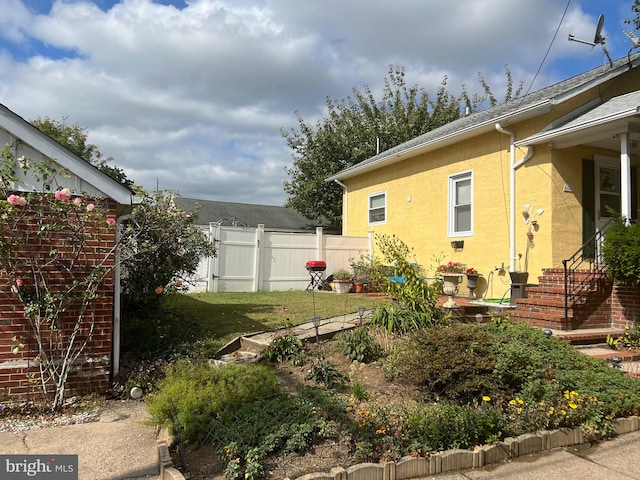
[212,269]
[371,234]
[319,244]
[259,253]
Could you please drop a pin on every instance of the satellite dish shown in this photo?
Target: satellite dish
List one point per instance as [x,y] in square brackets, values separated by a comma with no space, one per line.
[597,39]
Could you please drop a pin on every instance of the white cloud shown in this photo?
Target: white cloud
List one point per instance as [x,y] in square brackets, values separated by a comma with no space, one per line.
[193,99]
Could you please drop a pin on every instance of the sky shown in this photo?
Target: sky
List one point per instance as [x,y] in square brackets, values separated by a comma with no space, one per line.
[192,95]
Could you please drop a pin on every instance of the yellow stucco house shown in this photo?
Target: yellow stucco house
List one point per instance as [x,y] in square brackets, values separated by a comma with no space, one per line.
[520,186]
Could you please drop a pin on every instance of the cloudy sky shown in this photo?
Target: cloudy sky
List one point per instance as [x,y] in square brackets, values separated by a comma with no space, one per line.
[191,95]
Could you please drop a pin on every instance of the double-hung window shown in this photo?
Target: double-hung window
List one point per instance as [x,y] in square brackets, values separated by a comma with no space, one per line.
[377,208]
[461,204]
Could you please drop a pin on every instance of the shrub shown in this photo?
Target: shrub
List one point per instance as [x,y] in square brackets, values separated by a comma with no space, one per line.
[461,359]
[358,344]
[286,347]
[416,299]
[322,371]
[445,426]
[193,397]
[621,252]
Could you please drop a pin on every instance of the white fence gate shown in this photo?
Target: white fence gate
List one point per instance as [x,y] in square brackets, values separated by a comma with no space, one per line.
[251,260]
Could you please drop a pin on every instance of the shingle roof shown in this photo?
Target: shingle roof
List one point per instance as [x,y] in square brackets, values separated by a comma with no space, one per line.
[250,215]
[512,110]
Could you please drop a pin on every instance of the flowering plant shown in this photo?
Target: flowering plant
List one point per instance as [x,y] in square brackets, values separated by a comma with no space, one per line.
[471,271]
[451,267]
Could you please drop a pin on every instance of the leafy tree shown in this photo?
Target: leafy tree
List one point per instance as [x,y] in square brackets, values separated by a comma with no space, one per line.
[167,248]
[359,127]
[74,138]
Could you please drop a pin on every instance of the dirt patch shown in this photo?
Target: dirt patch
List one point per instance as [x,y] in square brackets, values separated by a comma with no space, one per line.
[204,464]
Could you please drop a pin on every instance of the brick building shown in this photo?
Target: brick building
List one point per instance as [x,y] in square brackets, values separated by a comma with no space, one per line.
[99,361]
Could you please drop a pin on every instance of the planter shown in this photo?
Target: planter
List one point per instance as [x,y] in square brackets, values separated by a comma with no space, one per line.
[360,287]
[450,288]
[342,286]
[519,277]
[472,283]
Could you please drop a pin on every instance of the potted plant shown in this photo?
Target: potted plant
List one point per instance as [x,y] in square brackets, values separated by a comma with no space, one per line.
[451,274]
[342,279]
[472,280]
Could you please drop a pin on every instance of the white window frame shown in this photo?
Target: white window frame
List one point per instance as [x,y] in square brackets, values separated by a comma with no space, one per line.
[452,206]
[372,195]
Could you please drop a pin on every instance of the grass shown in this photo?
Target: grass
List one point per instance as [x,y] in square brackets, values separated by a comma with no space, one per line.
[201,323]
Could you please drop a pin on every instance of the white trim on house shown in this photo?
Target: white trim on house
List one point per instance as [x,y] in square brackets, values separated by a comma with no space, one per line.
[454,205]
[25,132]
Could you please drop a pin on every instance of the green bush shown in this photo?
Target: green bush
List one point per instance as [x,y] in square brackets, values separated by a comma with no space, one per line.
[192,397]
[286,347]
[416,300]
[358,344]
[445,426]
[621,252]
[451,362]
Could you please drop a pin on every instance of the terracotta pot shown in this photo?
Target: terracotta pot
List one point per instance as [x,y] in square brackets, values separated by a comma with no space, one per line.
[359,287]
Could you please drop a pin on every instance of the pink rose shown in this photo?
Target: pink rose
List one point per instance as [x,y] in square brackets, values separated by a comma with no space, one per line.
[13,199]
[19,282]
[90,207]
[77,201]
[63,195]
[111,221]
[159,290]
[22,201]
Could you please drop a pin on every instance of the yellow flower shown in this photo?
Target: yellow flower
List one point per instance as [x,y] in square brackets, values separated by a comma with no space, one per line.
[520,401]
[486,398]
[551,411]
[519,410]
[512,402]
[380,431]
[563,412]
[573,405]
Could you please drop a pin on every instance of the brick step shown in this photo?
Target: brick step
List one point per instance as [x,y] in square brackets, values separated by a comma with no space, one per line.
[592,336]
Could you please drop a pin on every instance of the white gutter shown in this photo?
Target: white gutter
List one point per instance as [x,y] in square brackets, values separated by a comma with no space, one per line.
[117,300]
[512,192]
[345,204]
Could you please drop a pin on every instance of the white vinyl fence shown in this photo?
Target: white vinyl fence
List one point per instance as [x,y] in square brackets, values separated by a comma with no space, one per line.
[251,260]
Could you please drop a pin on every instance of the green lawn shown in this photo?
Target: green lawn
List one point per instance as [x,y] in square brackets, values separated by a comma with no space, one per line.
[204,322]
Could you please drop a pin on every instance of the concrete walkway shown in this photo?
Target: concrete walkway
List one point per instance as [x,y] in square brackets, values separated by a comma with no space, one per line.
[122,445]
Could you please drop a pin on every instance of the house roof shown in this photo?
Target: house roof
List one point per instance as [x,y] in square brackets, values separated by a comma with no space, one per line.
[18,127]
[477,123]
[248,215]
[617,114]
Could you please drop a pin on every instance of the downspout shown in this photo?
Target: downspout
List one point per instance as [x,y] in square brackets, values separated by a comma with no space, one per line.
[512,191]
[512,197]
[345,204]
[117,299]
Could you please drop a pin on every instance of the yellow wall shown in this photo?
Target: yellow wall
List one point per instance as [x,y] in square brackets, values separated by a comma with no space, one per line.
[417,199]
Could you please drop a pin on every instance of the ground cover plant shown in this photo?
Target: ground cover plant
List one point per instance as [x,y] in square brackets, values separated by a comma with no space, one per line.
[398,404]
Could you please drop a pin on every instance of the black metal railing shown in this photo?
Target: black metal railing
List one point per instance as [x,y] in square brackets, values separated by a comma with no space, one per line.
[587,258]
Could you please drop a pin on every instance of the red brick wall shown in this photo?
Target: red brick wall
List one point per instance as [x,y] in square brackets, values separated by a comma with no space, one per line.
[19,373]
[625,306]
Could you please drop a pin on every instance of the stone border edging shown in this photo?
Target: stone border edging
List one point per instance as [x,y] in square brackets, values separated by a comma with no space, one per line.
[452,460]
[441,462]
